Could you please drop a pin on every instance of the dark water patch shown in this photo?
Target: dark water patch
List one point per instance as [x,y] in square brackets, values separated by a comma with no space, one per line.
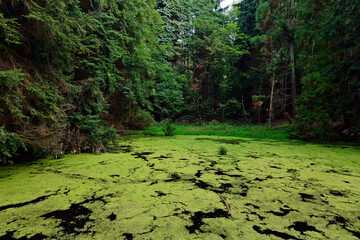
[10,236]
[336,193]
[283,212]
[95,199]
[174,177]
[252,205]
[212,163]
[345,173]
[206,186]
[237,168]
[226,186]
[243,190]
[269,154]
[290,170]
[101,163]
[341,221]
[142,155]
[183,159]
[54,171]
[115,176]
[222,173]
[263,179]
[151,165]
[153,183]
[338,220]
[252,156]
[226,141]
[8,175]
[185,212]
[275,233]
[276,167]
[72,219]
[79,176]
[197,219]
[202,184]
[306,197]
[219,172]
[303,227]
[198,174]
[353,232]
[256,214]
[125,148]
[37,200]
[162,157]
[112,217]
[160,193]
[128,236]
[150,231]
[222,236]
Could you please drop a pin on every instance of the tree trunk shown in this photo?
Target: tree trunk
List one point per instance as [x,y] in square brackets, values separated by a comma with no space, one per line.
[271,111]
[292,61]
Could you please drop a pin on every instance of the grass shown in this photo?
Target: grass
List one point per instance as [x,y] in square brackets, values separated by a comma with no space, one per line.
[222,150]
[245,131]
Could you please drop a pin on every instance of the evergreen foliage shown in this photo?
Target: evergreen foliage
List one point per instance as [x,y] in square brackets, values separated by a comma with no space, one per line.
[10,143]
[74,72]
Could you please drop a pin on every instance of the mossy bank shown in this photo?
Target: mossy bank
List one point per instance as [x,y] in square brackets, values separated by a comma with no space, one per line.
[169,187]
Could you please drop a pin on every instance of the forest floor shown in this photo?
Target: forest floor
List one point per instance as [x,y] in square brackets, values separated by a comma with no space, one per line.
[170,187]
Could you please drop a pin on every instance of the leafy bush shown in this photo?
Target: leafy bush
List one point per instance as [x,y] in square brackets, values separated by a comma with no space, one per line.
[9,145]
[168,127]
[9,30]
[142,120]
[214,122]
[168,90]
[97,134]
[222,150]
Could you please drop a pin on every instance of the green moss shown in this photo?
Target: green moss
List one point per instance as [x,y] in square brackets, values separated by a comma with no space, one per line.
[243,131]
[156,190]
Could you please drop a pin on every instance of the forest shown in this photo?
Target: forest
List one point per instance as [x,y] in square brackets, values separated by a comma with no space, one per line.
[76,73]
[179,119]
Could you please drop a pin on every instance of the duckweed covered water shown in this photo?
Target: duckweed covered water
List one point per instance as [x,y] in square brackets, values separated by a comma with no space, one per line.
[169,187]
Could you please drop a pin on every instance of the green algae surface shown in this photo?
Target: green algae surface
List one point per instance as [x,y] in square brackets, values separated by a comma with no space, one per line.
[170,187]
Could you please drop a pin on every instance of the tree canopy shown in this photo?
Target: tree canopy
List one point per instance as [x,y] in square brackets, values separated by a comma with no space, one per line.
[74,73]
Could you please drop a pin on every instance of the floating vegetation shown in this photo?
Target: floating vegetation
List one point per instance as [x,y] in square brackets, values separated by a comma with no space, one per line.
[158,188]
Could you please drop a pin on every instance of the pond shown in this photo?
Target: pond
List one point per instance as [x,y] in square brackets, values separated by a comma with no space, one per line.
[170,188]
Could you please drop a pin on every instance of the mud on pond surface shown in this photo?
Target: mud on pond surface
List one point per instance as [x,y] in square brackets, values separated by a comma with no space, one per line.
[170,187]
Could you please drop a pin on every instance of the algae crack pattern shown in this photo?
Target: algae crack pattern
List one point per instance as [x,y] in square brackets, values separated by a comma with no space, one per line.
[169,187]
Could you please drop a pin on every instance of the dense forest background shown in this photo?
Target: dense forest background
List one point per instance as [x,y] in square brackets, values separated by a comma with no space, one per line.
[73,73]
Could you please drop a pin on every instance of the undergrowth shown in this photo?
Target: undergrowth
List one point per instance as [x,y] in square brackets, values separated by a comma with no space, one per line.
[222,150]
[246,131]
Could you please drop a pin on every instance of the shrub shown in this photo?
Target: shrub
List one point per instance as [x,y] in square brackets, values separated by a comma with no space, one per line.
[222,150]
[168,128]
[94,134]
[143,120]
[214,122]
[9,145]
